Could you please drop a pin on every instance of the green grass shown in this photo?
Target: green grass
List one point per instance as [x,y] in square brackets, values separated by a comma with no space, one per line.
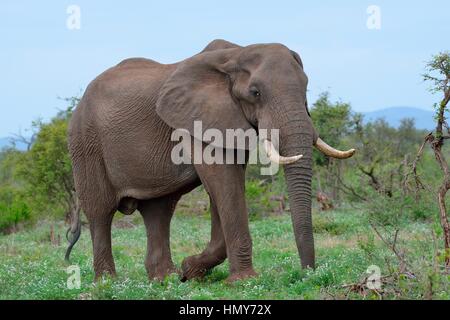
[32,267]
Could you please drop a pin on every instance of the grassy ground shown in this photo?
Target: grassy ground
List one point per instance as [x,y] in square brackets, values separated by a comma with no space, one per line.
[32,264]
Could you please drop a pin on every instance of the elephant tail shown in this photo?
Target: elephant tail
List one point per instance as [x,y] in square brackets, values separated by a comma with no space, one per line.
[74,232]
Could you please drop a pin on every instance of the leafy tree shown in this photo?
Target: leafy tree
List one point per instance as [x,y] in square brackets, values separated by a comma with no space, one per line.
[13,208]
[46,168]
[332,121]
[382,152]
[8,158]
[438,73]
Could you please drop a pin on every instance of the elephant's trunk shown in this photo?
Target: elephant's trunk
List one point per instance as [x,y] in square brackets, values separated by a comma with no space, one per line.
[297,136]
[298,179]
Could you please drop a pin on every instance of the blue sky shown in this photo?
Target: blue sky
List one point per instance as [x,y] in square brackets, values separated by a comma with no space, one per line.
[42,59]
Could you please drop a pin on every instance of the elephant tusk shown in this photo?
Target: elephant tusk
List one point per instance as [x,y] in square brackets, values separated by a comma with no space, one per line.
[332,152]
[275,157]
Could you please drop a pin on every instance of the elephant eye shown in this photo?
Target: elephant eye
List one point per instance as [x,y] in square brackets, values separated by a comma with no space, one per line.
[255,92]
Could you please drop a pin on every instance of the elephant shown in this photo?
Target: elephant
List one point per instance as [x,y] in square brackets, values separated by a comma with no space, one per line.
[120,144]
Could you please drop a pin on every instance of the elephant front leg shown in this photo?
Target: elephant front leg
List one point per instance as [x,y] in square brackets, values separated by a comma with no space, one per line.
[157,214]
[214,254]
[225,184]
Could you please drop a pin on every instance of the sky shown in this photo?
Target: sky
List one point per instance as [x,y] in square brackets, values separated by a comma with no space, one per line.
[43,60]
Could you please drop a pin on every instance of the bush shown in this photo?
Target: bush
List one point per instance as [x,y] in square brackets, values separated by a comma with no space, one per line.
[326,224]
[13,214]
[258,199]
[45,171]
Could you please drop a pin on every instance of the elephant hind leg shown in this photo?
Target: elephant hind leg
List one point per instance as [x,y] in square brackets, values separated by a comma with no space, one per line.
[100,228]
[214,254]
[97,196]
[157,214]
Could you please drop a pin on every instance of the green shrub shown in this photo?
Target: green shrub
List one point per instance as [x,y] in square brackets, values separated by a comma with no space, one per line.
[255,191]
[262,198]
[422,209]
[12,215]
[325,224]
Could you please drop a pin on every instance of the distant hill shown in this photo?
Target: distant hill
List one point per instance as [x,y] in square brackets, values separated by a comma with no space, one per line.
[423,118]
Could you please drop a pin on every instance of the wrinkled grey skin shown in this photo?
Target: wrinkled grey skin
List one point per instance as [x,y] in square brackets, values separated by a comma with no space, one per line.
[119,141]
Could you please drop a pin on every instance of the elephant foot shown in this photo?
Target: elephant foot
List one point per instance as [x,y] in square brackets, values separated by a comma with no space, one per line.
[241,275]
[194,267]
[107,272]
[161,272]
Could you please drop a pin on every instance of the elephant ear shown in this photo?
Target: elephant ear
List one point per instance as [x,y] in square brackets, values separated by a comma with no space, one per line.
[297,58]
[199,90]
[299,61]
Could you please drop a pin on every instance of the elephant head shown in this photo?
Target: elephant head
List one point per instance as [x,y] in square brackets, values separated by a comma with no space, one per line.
[259,86]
